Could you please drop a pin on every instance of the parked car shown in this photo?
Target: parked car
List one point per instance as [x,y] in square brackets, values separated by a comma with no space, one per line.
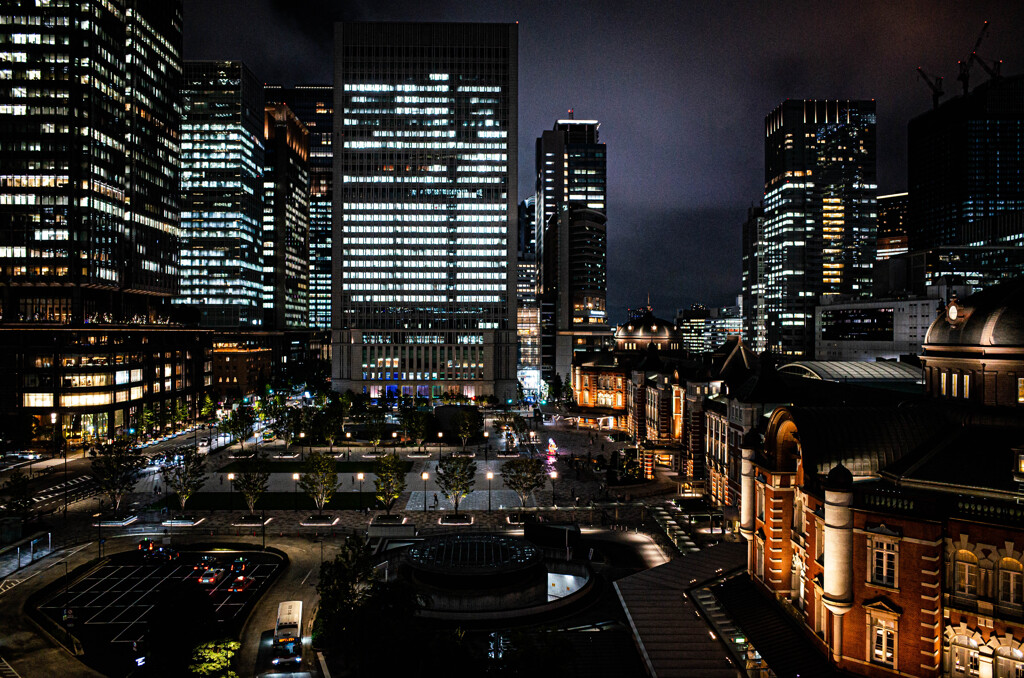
[240,564]
[240,583]
[212,575]
[205,562]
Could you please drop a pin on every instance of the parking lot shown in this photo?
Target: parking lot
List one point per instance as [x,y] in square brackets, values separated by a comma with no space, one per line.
[109,608]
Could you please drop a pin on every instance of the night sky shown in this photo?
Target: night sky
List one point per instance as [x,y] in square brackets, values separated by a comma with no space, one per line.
[681,90]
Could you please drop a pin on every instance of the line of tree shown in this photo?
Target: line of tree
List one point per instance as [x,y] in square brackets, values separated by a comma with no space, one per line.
[456,477]
[523,476]
[389,480]
[319,479]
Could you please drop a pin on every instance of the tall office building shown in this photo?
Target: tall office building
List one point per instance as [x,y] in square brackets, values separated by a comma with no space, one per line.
[89,222]
[892,224]
[222,194]
[965,163]
[285,235]
[425,212]
[752,302]
[571,222]
[314,106]
[527,304]
[89,145]
[820,214]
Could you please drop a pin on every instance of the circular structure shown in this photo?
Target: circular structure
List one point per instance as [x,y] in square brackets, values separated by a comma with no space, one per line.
[992,317]
[474,561]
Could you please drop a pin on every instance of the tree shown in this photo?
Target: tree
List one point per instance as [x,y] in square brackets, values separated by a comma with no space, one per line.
[181,412]
[240,424]
[390,480]
[468,424]
[147,417]
[376,427]
[419,423]
[556,387]
[346,584]
[456,477]
[116,468]
[319,479]
[213,658]
[186,475]
[207,407]
[523,476]
[253,481]
[19,495]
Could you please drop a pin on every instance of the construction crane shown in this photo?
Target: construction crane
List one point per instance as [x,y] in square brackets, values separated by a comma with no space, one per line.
[934,84]
[993,67]
[964,66]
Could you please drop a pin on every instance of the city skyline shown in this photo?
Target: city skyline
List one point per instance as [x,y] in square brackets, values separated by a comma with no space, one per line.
[687,178]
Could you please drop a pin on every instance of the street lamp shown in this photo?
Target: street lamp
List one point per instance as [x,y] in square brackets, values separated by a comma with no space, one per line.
[424,475]
[348,451]
[394,437]
[360,476]
[301,437]
[487,444]
[490,477]
[295,478]
[554,475]
[56,444]
[440,435]
[231,489]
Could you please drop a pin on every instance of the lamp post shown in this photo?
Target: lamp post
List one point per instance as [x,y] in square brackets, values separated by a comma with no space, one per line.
[295,479]
[424,475]
[440,435]
[490,477]
[348,451]
[554,476]
[56,445]
[231,490]
[302,436]
[394,437]
[360,477]
[487,445]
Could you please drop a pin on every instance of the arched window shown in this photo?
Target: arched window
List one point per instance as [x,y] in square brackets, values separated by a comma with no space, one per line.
[966,573]
[963,657]
[1009,663]
[1010,581]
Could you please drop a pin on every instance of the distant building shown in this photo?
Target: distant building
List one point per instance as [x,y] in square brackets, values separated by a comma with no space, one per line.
[285,232]
[705,329]
[314,106]
[892,224]
[820,215]
[241,368]
[965,162]
[424,209]
[754,280]
[873,328]
[572,247]
[527,304]
[222,194]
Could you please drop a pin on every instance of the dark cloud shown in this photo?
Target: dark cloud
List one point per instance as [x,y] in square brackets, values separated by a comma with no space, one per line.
[681,89]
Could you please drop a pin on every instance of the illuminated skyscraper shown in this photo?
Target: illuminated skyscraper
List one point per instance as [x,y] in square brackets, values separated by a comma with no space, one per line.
[424,211]
[892,224]
[527,304]
[314,106]
[285,221]
[572,246]
[222,194]
[89,147]
[820,215]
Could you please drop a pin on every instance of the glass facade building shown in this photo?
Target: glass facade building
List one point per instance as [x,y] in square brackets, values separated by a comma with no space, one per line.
[314,106]
[285,221]
[572,247]
[222,158]
[820,215]
[89,115]
[424,214]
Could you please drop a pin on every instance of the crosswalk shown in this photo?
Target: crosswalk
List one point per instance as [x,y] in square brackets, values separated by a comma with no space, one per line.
[6,671]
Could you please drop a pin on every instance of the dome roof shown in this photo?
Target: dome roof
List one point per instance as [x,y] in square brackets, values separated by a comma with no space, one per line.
[646,327]
[992,317]
[839,478]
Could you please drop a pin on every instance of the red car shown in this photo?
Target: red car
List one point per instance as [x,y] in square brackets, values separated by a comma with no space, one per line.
[241,583]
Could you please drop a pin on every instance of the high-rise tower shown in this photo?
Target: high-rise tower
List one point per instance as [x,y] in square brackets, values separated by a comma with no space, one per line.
[571,216]
[425,209]
[965,163]
[89,145]
[222,194]
[285,236]
[314,106]
[820,215]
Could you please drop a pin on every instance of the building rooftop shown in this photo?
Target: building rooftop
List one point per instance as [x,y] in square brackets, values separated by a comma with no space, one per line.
[992,317]
[856,371]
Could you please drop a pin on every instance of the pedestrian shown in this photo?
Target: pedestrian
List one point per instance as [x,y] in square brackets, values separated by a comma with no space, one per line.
[353,480]
[435,500]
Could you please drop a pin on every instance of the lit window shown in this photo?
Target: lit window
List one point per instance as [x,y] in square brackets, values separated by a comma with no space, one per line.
[884,561]
[966,573]
[883,640]
[1010,581]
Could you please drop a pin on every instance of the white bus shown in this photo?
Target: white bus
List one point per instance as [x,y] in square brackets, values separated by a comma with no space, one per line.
[288,633]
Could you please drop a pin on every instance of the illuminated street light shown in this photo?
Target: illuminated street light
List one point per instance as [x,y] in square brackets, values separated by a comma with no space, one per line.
[425,475]
[360,476]
[490,477]
[295,478]
[554,475]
